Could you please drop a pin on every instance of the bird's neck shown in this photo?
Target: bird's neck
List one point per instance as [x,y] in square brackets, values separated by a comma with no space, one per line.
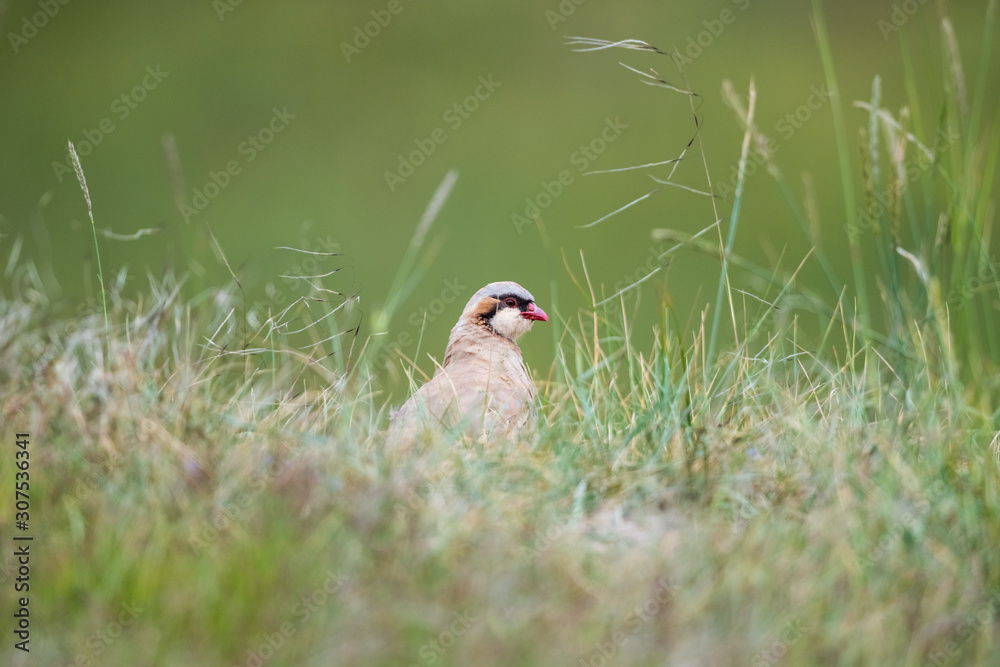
[474,339]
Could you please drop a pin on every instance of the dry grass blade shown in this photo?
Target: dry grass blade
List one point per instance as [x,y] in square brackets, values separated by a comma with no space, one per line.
[633,168]
[78,168]
[619,210]
[308,252]
[649,275]
[591,44]
[138,234]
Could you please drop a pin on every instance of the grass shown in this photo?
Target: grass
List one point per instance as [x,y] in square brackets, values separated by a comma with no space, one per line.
[93,226]
[209,490]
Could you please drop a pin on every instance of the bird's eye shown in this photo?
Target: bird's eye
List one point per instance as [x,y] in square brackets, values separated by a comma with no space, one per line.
[510,302]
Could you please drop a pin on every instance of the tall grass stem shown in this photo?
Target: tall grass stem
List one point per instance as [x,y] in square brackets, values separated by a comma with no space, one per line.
[93,226]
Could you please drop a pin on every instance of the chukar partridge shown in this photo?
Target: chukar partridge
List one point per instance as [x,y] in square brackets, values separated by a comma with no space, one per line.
[482,388]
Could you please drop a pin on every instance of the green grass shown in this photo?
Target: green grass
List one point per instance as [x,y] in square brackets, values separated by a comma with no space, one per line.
[209,485]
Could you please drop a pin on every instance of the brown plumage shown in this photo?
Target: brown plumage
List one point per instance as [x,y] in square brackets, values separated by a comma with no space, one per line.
[482,387]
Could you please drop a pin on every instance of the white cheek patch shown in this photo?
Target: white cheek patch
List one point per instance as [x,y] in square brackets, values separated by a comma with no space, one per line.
[508,322]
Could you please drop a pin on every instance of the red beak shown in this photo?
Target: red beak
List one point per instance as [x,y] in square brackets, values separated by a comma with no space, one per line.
[535,313]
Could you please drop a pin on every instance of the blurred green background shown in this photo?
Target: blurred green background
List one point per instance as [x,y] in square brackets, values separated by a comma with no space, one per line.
[351,112]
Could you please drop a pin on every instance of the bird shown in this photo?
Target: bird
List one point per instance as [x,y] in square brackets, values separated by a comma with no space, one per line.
[482,388]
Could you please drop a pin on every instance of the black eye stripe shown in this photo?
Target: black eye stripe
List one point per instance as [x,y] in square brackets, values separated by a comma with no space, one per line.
[519,302]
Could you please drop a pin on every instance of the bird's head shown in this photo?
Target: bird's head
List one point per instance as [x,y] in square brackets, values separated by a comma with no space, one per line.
[504,308]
